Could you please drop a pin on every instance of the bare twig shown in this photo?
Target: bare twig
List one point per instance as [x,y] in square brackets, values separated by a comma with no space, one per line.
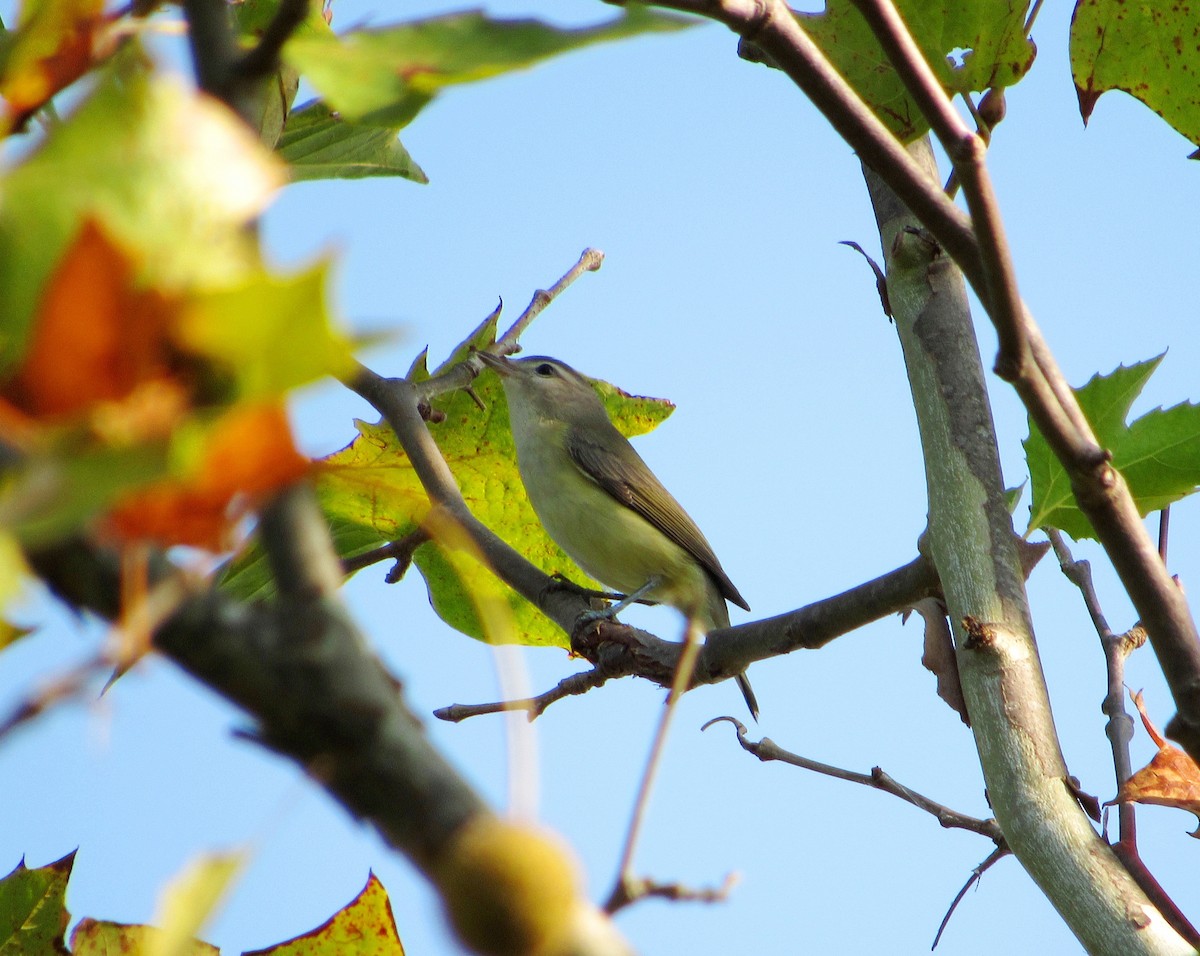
[462,374]
[767,750]
[992,859]
[634,889]
[1119,728]
[590,260]
[681,681]
[880,278]
[579,683]
[401,551]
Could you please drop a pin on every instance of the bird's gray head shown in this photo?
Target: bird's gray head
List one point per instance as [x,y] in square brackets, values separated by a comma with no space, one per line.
[546,388]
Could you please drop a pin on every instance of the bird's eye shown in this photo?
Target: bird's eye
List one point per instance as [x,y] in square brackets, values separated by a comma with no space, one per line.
[545,369]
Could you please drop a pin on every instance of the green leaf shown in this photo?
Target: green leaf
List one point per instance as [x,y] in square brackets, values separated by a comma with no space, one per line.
[386,76]
[319,144]
[986,37]
[1158,454]
[274,332]
[33,910]
[1148,50]
[172,177]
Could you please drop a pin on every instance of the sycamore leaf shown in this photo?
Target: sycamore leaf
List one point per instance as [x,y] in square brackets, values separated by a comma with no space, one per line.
[170,176]
[1148,50]
[1171,779]
[1158,454]
[55,43]
[103,938]
[33,910]
[319,144]
[970,46]
[386,76]
[370,494]
[365,927]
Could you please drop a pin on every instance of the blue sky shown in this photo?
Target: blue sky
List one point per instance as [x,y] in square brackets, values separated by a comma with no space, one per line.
[719,197]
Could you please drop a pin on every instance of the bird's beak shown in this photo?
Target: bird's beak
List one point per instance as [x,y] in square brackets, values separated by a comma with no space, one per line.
[499,363]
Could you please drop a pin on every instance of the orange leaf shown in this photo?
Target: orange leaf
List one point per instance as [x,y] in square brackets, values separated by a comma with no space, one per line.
[247,453]
[1171,779]
[96,336]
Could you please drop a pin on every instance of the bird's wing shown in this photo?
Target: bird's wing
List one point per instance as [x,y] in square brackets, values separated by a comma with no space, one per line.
[631,482]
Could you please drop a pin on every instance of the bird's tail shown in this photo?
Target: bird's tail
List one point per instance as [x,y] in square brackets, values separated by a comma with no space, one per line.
[743,683]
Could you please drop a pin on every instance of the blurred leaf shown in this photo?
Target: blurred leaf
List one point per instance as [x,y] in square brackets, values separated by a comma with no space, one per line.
[33,910]
[102,938]
[319,144]
[970,46]
[248,575]
[170,176]
[386,76]
[189,901]
[55,493]
[245,453]
[1158,454]
[97,337]
[1171,779]
[1148,50]
[365,927]
[55,43]
[274,332]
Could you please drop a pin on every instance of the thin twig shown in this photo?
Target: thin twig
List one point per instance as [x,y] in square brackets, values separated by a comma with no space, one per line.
[401,551]
[992,859]
[461,375]
[1119,728]
[638,889]
[590,260]
[1164,533]
[579,683]
[626,881]
[767,750]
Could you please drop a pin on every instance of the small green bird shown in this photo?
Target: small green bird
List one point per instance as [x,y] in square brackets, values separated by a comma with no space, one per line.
[602,504]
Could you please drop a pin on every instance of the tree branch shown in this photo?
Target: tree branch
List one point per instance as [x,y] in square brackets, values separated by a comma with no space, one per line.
[767,750]
[1024,358]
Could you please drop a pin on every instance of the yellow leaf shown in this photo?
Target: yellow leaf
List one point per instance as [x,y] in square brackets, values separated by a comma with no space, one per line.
[190,900]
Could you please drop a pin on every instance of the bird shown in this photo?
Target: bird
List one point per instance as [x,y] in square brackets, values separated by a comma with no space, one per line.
[602,504]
